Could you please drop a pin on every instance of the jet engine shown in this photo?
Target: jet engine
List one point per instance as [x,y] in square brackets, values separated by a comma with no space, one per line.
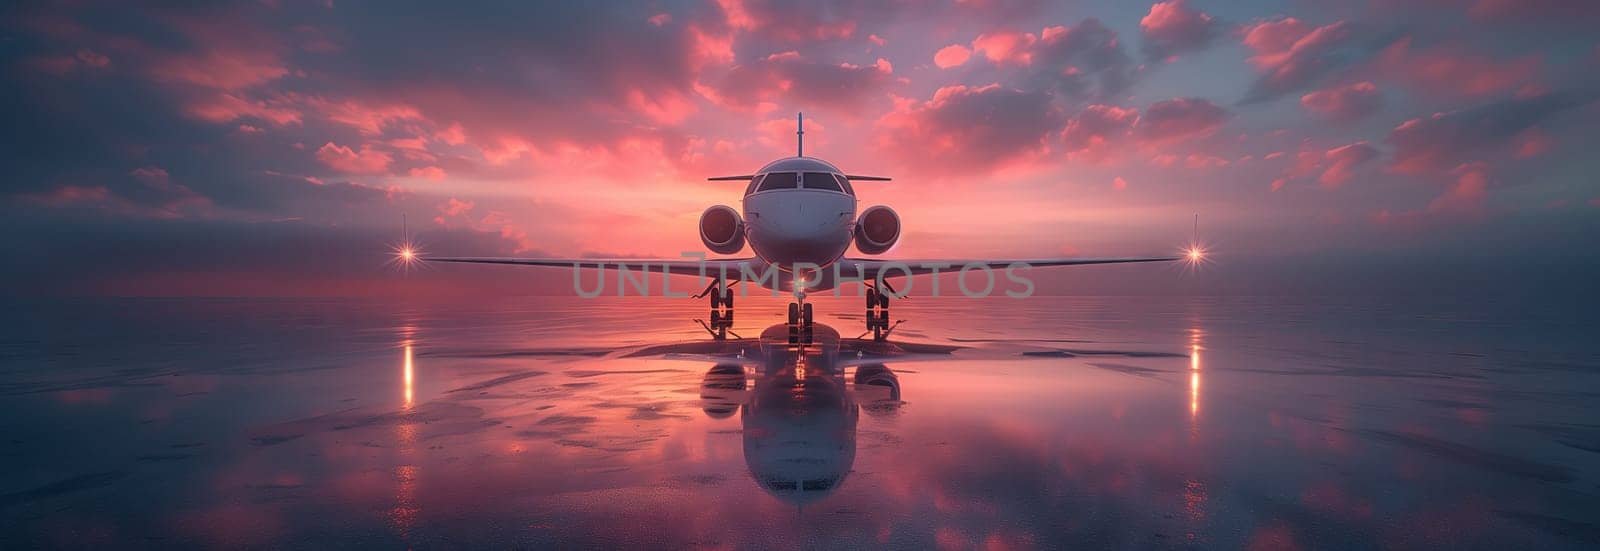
[722,230]
[877,230]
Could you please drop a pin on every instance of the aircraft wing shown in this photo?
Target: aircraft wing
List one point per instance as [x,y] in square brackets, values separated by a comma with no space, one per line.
[680,266]
[869,268]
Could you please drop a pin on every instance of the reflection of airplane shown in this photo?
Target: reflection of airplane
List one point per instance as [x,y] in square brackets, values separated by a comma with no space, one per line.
[799,217]
[798,410]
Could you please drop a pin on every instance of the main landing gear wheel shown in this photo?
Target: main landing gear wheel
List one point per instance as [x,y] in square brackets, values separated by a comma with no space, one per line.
[721,309]
[878,314]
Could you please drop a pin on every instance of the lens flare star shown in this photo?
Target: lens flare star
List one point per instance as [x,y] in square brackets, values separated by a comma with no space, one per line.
[406,255]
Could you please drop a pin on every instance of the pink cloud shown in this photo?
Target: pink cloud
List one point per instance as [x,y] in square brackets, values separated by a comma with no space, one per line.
[154,196]
[1343,103]
[1342,160]
[1453,70]
[1291,54]
[226,108]
[1091,133]
[1465,196]
[451,135]
[1444,140]
[368,118]
[951,56]
[220,69]
[1331,168]
[455,207]
[344,159]
[1199,161]
[789,76]
[1179,119]
[428,172]
[792,22]
[1118,183]
[662,107]
[151,175]
[1531,143]
[1005,47]
[969,130]
[1172,28]
[1275,37]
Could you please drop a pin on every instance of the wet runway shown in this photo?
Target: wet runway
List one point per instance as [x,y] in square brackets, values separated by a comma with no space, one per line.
[1048,422]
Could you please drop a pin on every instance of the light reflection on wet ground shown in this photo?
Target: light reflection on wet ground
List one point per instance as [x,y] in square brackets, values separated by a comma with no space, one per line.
[998,424]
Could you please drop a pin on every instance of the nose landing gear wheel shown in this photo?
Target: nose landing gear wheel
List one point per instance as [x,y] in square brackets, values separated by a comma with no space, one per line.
[794,314]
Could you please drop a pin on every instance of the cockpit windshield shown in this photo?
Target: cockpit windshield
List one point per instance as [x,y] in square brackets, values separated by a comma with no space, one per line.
[827,181]
[778,180]
[822,180]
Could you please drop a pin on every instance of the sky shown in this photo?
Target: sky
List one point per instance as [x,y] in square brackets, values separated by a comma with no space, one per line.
[273,148]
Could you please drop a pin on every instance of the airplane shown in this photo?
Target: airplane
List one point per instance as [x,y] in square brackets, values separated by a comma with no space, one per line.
[799,216]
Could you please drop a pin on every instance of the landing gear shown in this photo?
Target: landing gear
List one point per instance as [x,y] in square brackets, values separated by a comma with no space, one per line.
[800,319]
[878,314]
[721,308]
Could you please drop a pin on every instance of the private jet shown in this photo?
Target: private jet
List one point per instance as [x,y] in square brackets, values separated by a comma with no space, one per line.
[799,217]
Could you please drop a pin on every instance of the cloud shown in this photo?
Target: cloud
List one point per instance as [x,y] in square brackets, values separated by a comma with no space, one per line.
[1179,119]
[793,22]
[343,159]
[1445,140]
[1293,55]
[1331,168]
[1006,47]
[1082,62]
[790,77]
[227,108]
[951,56]
[1092,133]
[1464,198]
[1455,71]
[1343,103]
[969,130]
[455,207]
[148,192]
[1171,28]
[1342,160]
[428,172]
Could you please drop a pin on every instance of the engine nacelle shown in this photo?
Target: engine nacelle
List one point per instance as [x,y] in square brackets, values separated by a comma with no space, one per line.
[877,230]
[722,230]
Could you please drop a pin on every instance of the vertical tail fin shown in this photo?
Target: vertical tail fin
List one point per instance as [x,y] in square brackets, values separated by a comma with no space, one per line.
[800,134]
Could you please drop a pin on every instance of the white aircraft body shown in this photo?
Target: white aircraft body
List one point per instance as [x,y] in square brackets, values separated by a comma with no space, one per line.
[799,217]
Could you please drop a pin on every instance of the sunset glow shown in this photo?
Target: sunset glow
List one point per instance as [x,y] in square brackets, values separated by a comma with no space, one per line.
[1038,130]
[991,260]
